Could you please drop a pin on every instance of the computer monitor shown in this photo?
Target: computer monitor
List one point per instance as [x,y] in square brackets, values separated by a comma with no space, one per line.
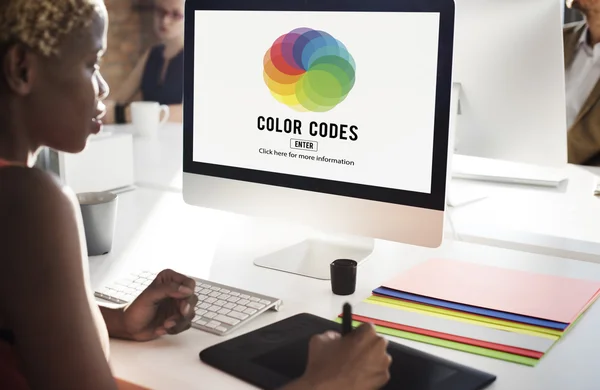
[509,62]
[321,113]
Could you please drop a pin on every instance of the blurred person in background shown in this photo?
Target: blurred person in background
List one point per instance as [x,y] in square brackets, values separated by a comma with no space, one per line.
[158,75]
[582,66]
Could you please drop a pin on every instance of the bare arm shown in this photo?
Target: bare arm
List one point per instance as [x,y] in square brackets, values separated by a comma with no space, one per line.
[115,321]
[42,286]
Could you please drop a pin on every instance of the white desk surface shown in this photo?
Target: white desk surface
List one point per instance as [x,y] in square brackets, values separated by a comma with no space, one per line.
[157,230]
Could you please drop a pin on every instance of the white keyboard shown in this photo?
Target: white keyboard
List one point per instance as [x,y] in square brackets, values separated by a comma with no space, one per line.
[220,309]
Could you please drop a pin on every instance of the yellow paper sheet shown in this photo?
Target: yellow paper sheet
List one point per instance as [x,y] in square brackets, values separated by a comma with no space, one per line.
[467,317]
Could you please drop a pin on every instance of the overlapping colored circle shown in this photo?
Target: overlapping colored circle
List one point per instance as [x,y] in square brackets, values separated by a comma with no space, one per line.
[309,70]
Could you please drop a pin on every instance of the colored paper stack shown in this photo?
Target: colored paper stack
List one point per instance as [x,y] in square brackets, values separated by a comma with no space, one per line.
[496,312]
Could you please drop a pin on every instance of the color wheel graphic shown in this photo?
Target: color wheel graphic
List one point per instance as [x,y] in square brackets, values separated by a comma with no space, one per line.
[309,70]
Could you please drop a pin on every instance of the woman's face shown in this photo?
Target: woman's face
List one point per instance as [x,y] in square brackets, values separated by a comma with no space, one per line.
[67,92]
[168,19]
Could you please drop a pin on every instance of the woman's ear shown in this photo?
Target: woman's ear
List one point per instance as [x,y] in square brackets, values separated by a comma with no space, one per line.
[18,69]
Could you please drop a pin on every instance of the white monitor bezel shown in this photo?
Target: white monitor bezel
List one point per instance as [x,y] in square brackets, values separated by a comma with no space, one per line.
[383,213]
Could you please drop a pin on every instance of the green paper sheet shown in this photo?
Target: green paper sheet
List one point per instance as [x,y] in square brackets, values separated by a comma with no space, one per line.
[509,357]
[585,309]
[481,320]
[576,320]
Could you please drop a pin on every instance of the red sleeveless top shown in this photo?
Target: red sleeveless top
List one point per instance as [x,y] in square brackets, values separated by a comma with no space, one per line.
[11,376]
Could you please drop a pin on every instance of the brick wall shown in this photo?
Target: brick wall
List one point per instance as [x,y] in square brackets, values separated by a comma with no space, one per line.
[130,32]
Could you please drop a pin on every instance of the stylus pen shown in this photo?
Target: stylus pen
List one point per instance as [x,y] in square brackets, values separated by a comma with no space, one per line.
[346,319]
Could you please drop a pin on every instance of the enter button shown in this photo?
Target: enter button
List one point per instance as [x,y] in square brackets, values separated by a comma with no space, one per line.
[300,144]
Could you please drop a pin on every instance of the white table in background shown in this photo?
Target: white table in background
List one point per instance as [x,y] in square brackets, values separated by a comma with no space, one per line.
[563,221]
[158,160]
[157,230]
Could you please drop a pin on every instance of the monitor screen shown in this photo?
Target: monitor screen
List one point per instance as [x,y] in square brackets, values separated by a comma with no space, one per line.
[343,96]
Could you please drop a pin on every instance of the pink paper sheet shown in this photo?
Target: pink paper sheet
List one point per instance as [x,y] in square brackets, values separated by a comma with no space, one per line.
[547,297]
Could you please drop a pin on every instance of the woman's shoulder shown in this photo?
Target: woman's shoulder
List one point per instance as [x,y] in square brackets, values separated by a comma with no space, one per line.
[160,47]
[29,185]
[151,57]
[156,50]
[21,177]
[38,224]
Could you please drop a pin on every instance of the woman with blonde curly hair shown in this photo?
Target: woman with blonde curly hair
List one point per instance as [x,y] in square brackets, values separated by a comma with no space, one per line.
[53,335]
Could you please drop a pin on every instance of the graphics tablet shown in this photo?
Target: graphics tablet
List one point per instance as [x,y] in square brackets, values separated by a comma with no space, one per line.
[275,355]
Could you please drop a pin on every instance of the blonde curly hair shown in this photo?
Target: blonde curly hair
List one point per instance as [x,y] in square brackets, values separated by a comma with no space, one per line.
[42,24]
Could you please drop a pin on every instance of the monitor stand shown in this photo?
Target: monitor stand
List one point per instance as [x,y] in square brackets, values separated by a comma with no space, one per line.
[491,170]
[312,256]
[457,195]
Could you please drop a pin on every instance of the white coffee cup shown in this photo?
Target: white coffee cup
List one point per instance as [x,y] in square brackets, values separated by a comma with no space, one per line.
[146,117]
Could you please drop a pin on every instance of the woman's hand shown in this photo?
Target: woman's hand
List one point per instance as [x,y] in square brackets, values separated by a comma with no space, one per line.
[166,306]
[358,361]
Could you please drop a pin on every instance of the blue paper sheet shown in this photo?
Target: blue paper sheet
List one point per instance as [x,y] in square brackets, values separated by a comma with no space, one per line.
[470,309]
